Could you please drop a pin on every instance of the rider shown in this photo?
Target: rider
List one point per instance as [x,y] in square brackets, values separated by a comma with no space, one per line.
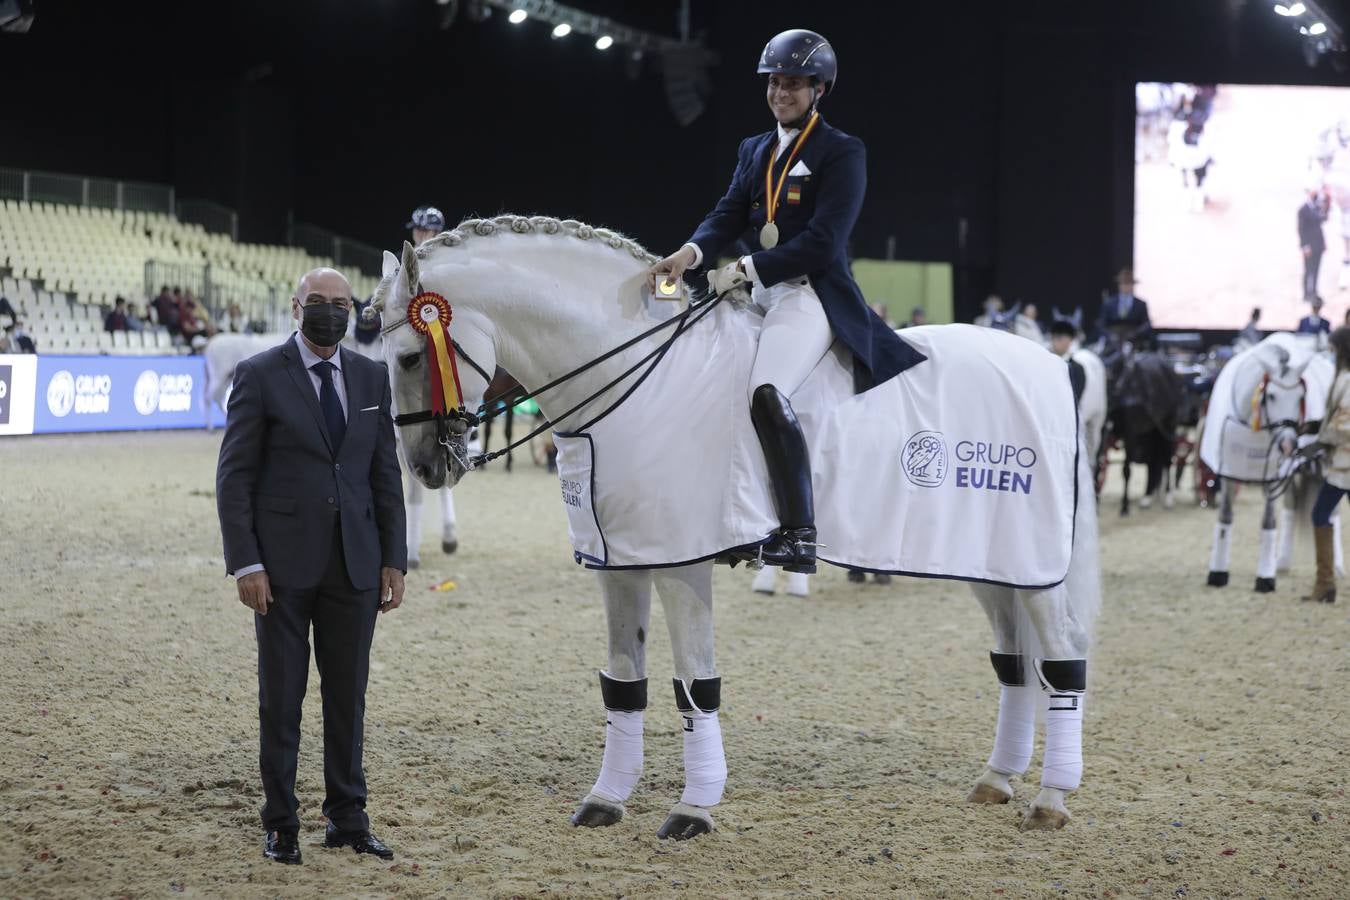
[797,230]
[426,223]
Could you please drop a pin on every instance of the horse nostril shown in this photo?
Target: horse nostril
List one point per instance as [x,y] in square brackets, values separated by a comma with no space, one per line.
[420,470]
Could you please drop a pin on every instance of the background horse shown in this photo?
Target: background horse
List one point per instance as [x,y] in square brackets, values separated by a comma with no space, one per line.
[225,351]
[1263,400]
[1144,397]
[543,297]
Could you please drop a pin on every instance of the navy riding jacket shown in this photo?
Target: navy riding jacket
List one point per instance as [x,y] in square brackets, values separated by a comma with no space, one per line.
[815,216]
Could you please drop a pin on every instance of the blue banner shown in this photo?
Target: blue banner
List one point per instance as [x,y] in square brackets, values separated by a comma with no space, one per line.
[120,393]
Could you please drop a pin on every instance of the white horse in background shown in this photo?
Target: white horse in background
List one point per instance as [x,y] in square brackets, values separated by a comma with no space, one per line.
[543,297]
[225,351]
[1261,402]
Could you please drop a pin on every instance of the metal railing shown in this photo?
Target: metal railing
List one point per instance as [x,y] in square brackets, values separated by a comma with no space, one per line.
[344,252]
[73,190]
[212,216]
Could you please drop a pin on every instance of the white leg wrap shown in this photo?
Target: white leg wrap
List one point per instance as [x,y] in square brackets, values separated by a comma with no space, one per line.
[1265,564]
[1063,767]
[622,765]
[1338,553]
[1284,560]
[766,581]
[1015,736]
[798,584]
[1223,548]
[447,514]
[413,512]
[705,765]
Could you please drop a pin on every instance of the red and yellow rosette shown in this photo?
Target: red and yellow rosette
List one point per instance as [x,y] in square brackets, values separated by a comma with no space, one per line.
[429,314]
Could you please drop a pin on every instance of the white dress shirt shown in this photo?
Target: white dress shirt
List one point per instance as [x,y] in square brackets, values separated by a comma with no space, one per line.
[308,359]
[785,138]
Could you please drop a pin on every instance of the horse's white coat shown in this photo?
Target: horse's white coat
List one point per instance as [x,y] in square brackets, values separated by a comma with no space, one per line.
[539,302]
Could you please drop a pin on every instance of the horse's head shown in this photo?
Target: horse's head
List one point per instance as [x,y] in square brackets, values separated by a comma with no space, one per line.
[1279,396]
[434,447]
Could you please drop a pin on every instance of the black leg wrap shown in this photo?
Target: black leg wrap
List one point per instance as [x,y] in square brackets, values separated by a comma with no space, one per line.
[623,696]
[1063,675]
[703,693]
[1009,667]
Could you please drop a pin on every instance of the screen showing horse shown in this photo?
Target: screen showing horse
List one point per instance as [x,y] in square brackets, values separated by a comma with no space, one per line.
[1241,201]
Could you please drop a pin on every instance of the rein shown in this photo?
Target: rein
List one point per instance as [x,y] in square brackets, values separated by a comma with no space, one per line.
[488,410]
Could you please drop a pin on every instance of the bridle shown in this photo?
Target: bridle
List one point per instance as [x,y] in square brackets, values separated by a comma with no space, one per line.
[456,422]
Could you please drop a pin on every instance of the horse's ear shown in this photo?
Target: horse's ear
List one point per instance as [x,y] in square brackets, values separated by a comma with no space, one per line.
[1077,318]
[410,271]
[389,266]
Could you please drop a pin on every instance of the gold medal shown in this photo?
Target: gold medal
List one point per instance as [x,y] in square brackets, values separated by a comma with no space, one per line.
[768,236]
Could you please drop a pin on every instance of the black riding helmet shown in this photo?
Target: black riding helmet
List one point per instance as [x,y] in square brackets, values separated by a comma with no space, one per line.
[800,52]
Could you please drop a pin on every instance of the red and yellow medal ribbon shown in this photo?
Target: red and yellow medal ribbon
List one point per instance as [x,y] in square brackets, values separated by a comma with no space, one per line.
[429,314]
[1257,396]
[771,192]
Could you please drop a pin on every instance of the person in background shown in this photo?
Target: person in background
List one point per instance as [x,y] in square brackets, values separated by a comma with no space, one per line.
[233,321]
[165,308]
[1313,323]
[426,222]
[1333,438]
[993,305]
[1031,312]
[1124,315]
[6,309]
[19,341]
[1311,216]
[134,322]
[117,319]
[917,317]
[1251,334]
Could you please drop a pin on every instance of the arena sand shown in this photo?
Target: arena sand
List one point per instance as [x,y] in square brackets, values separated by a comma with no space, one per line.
[855,721]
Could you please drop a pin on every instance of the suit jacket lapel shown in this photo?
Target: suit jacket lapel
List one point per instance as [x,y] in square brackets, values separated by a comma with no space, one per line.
[300,378]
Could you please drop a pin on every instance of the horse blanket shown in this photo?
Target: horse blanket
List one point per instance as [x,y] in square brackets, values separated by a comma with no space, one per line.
[964,466]
[1281,363]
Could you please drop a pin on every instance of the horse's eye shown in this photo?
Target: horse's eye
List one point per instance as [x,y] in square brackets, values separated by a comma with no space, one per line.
[410,361]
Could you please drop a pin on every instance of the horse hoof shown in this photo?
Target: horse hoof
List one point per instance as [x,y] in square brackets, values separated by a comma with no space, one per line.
[882,578]
[857,577]
[1042,819]
[987,793]
[450,546]
[1218,579]
[685,822]
[1265,585]
[596,812]
[412,564]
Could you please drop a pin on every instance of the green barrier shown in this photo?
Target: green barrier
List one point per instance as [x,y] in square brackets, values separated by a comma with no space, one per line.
[901,285]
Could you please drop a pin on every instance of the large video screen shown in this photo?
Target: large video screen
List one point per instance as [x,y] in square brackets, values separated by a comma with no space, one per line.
[1241,200]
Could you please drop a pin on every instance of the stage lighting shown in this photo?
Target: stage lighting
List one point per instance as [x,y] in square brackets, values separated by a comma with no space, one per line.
[562,30]
[604,42]
[1317,28]
[517,16]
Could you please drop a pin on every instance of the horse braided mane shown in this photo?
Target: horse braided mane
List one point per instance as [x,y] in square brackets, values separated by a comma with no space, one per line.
[513,224]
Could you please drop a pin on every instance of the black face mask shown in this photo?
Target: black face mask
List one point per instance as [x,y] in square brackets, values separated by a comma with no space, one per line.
[325,324]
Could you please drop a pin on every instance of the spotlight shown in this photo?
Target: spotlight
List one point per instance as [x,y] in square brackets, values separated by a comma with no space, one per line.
[517,16]
[1317,28]
[562,30]
[604,42]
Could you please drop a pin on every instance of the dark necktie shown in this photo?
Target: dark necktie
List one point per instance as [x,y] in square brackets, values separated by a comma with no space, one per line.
[329,403]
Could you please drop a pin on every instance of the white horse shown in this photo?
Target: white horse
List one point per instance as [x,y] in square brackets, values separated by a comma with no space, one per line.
[225,351]
[541,298]
[1260,400]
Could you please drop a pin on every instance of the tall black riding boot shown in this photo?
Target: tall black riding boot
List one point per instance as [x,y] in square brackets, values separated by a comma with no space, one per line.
[793,546]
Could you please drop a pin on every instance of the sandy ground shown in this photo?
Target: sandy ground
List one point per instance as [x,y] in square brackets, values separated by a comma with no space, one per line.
[1216,737]
[1208,269]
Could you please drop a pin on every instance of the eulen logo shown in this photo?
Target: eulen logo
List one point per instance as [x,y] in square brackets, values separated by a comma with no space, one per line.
[162,393]
[61,393]
[146,393]
[924,458]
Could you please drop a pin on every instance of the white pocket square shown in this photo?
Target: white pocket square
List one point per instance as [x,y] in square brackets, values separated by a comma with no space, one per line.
[371,408]
[799,169]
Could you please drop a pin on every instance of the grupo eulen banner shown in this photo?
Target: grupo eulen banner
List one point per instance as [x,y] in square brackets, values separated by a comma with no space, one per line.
[113,393]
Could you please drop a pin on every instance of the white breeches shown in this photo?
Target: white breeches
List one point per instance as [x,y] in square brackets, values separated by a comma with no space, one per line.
[794,338]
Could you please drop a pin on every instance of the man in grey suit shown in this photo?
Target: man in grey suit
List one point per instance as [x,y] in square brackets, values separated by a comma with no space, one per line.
[311,511]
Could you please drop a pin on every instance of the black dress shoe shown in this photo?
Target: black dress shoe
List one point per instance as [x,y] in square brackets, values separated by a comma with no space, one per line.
[360,841]
[282,847]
